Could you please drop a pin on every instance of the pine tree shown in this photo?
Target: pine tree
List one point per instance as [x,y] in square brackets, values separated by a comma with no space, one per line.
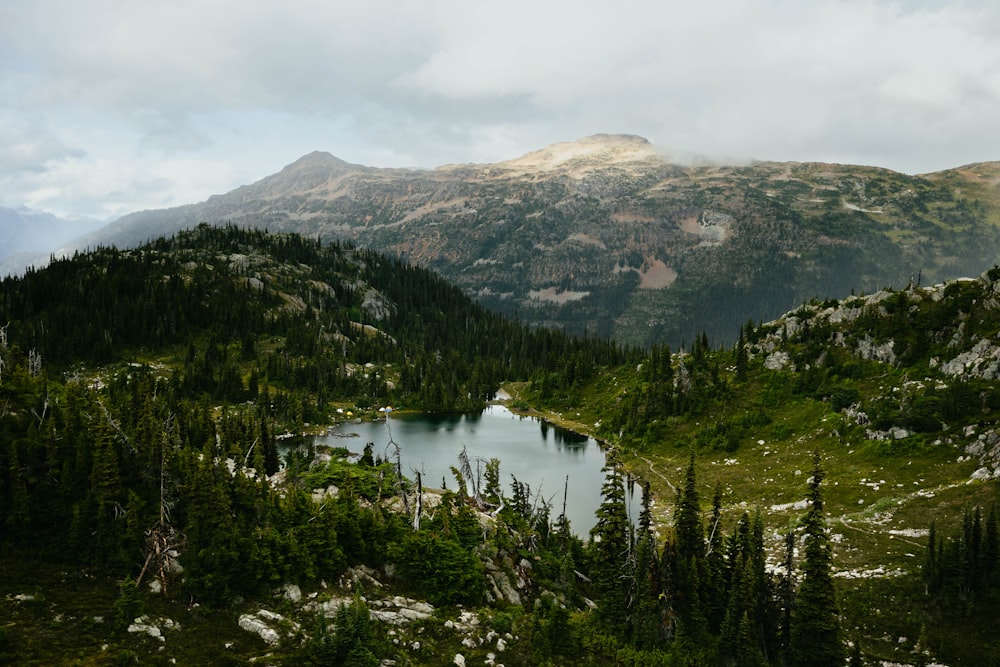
[742,358]
[815,632]
[610,549]
[644,602]
[690,569]
[129,604]
[748,653]
[991,545]
[857,660]
[716,583]
[18,514]
[687,518]
[786,594]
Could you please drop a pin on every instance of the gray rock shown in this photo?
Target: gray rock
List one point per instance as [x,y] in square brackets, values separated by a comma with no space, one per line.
[258,627]
[145,625]
[982,474]
[292,593]
[506,589]
[777,361]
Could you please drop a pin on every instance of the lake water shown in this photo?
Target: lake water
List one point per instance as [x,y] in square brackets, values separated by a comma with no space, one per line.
[531,450]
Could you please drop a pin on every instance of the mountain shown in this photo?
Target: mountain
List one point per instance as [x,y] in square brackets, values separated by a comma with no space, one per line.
[27,237]
[607,236]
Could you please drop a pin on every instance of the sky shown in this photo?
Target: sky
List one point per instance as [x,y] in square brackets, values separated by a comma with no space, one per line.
[113,106]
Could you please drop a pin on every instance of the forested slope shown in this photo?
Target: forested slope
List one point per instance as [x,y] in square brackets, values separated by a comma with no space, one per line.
[826,485]
[897,391]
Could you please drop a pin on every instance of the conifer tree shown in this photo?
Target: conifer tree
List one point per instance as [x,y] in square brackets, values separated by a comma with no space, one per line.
[786,594]
[610,549]
[857,660]
[644,602]
[742,358]
[18,514]
[815,633]
[716,583]
[991,545]
[687,518]
[689,570]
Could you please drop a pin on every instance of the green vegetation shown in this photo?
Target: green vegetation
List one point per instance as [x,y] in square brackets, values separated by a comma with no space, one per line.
[142,476]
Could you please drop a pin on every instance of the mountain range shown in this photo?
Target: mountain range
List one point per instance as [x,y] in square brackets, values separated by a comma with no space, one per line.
[28,236]
[607,236]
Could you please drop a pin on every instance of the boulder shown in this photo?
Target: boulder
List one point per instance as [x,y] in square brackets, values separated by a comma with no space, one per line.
[253,624]
[291,592]
[776,361]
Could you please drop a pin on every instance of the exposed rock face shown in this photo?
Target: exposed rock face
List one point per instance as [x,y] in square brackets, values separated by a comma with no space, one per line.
[867,349]
[982,361]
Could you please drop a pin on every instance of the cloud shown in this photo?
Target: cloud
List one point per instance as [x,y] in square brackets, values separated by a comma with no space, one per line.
[202,97]
[28,147]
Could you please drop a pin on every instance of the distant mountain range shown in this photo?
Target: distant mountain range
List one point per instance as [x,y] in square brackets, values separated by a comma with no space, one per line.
[28,236]
[607,236]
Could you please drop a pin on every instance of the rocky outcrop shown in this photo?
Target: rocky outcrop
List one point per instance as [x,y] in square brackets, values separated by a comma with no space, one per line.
[269,626]
[153,627]
[399,610]
[777,361]
[981,361]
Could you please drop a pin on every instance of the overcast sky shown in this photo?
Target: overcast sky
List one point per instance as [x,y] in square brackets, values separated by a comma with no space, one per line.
[111,106]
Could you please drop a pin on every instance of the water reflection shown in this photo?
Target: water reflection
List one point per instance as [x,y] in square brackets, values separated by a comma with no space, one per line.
[530,450]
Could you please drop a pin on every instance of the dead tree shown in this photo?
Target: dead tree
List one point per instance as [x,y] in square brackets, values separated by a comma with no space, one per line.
[466,469]
[420,503]
[34,363]
[400,482]
[162,540]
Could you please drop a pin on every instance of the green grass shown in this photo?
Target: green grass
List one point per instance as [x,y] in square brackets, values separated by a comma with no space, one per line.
[70,621]
[881,496]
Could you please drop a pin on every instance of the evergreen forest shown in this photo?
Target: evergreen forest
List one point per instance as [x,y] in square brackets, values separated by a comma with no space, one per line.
[153,510]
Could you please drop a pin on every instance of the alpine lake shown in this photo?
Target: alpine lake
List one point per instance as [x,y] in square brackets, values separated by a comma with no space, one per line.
[557,464]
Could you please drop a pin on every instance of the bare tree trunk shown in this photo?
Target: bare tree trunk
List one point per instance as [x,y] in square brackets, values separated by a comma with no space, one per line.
[400,485]
[420,503]
[466,468]
[161,540]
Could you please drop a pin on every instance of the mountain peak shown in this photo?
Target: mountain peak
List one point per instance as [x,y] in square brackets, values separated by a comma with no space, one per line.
[605,149]
[319,159]
[309,171]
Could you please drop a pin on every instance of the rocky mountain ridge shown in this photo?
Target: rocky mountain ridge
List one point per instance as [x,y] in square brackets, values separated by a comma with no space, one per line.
[607,236]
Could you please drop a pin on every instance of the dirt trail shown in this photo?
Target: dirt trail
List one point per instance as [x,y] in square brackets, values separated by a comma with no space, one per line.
[656,472]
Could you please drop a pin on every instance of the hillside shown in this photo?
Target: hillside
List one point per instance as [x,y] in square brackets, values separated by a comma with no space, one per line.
[143,393]
[897,392]
[607,236]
